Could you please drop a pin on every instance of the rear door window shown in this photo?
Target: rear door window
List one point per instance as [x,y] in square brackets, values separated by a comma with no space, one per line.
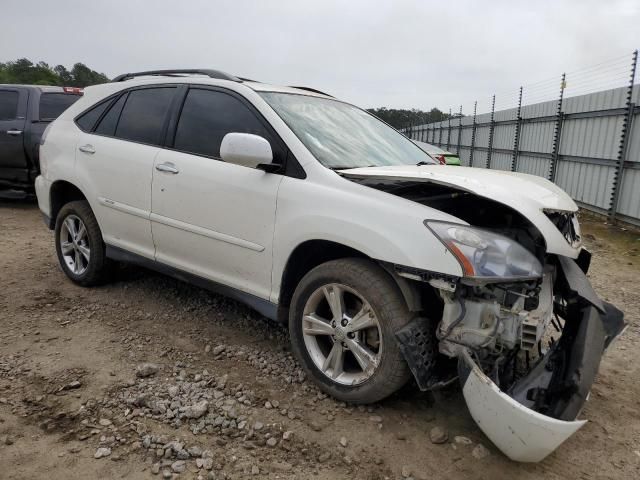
[53,104]
[8,105]
[207,116]
[144,114]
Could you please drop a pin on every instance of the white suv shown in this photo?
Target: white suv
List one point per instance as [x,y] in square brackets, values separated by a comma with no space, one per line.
[385,265]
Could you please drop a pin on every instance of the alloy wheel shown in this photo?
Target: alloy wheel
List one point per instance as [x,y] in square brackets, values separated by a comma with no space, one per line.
[342,334]
[74,244]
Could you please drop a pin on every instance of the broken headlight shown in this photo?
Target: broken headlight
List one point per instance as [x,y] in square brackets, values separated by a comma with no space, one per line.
[486,255]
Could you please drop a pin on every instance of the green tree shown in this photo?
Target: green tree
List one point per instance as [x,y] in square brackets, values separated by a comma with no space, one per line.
[25,71]
[400,118]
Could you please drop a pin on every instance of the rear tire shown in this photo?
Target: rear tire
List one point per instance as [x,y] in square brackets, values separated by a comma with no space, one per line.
[79,245]
[353,357]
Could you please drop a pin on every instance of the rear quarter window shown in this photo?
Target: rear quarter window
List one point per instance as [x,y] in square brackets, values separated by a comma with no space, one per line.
[53,104]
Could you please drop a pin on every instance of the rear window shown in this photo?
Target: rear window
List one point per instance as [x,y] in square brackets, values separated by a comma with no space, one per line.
[53,104]
[8,105]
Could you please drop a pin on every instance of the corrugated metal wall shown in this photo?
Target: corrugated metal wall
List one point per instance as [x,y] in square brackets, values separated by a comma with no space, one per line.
[587,154]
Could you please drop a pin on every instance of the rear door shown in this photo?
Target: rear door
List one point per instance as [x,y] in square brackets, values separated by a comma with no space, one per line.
[13,111]
[115,159]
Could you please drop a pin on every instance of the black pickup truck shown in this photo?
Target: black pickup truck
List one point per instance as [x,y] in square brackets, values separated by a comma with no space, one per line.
[25,112]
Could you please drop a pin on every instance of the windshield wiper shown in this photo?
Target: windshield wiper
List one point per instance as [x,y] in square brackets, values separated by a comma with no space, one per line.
[350,167]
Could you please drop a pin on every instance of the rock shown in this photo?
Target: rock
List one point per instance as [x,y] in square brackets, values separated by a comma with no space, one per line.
[462,440]
[8,440]
[315,426]
[323,457]
[375,418]
[268,405]
[183,455]
[173,391]
[343,442]
[212,476]
[438,435]
[155,468]
[258,426]
[145,370]
[166,473]
[102,452]
[207,349]
[194,451]
[219,349]
[479,452]
[281,466]
[72,385]
[207,463]
[197,410]
[287,435]
[255,470]
[272,442]
[104,422]
[406,471]
[179,466]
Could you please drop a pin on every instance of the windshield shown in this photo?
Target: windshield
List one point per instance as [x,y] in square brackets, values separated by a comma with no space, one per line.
[340,135]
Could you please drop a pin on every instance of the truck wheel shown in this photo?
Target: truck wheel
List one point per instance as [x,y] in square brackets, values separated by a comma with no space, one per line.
[342,323]
[79,245]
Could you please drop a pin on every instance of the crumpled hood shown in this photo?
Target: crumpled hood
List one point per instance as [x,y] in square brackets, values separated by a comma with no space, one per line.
[528,194]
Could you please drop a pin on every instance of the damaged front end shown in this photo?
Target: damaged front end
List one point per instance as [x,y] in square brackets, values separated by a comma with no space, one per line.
[527,350]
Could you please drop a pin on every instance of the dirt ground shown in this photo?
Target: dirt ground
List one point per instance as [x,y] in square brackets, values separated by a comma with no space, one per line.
[228,400]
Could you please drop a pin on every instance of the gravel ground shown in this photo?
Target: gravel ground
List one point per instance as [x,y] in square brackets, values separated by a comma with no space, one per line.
[151,378]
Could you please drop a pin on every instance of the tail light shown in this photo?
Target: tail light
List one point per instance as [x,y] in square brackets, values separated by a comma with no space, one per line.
[75,90]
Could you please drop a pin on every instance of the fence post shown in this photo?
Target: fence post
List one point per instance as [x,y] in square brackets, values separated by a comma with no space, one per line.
[473,134]
[459,131]
[557,132]
[516,136]
[449,132]
[624,142]
[491,127]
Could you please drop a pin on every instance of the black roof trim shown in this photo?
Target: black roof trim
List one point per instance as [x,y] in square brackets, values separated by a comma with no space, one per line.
[174,73]
[308,89]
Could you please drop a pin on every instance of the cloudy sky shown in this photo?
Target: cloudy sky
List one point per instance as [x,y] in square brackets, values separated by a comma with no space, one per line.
[373,53]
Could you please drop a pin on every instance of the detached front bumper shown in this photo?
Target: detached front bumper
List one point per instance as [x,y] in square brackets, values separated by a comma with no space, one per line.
[539,411]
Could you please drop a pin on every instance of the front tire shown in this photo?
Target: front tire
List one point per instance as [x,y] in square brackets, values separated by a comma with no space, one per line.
[79,245]
[342,324]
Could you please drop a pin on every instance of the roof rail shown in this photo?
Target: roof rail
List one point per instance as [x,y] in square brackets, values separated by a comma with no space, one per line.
[174,73]
[308,89]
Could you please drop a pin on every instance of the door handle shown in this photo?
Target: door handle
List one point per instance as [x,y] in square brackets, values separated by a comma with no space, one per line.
[87,149]
[15,133]
[167,168]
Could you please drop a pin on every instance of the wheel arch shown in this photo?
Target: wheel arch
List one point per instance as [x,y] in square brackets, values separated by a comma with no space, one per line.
[311,253]
[61,193]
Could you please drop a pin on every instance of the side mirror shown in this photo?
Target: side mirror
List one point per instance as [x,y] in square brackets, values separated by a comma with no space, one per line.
[246,149]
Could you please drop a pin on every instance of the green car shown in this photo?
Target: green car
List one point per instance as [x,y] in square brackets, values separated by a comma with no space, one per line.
[441,156]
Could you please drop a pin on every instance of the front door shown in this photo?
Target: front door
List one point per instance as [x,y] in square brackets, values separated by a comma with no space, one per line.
[211,218]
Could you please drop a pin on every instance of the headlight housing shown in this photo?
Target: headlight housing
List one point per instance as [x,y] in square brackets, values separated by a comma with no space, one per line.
[486,255]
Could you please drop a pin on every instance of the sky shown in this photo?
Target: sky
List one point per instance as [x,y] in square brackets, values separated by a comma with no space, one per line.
[398,54]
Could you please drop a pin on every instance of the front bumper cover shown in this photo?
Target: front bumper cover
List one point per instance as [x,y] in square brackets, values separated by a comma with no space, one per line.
[538,412]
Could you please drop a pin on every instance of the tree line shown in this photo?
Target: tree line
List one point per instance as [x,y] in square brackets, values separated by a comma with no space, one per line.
[26,72]
[401,118]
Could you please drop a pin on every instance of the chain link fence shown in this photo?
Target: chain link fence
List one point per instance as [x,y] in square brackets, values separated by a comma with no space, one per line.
[580,130]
